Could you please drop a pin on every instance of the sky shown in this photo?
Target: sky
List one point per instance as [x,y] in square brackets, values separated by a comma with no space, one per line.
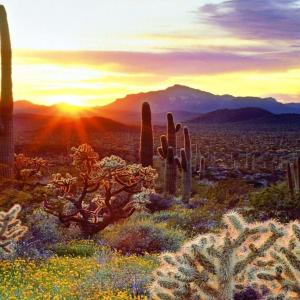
[90,52]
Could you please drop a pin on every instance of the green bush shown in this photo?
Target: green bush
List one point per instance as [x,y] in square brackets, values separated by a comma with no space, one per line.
[75,248]
[143,236]
[275,202]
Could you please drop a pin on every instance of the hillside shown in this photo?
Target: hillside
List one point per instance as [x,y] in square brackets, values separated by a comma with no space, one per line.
[186,103]
[246,115]
[41,131]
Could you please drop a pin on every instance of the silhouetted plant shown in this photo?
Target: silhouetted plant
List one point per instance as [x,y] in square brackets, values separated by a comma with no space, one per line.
[185,166]
[167,151]
[146,140]
[6,103]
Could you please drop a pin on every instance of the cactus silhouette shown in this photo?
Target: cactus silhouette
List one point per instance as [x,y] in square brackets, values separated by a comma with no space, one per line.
[6,103]
[169,155]
[293,176]
[146,140]
[212,265]
[186,169]
[171,165]
[172,129]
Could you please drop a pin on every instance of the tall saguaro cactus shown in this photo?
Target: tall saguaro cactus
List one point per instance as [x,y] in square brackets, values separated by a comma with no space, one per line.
[167,151]
[186,168]
[6,103]
[172,129]
[171,164]
[146,146]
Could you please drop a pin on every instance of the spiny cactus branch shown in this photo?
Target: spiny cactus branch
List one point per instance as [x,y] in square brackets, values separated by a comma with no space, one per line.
[11,229]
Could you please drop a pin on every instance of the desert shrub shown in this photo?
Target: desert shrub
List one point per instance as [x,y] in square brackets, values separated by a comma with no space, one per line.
[247,294]
[43,230]
[275,202]
[158,203]
[143,236]
[28,198]
[130,273]
[75,248]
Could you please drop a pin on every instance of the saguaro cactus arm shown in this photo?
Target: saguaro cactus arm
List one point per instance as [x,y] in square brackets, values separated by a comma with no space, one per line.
[163,149]
[172,129]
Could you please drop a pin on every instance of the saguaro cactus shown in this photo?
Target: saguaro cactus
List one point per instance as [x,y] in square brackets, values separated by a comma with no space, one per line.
[6,103]
[293,176]
[171,164]
[146,141]
[171,161]
[172,129]
[186,168]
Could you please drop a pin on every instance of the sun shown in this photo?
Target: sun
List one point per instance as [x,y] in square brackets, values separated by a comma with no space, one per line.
[70,109]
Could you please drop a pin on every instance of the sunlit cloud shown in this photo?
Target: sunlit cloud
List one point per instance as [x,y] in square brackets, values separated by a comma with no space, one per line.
[102,50]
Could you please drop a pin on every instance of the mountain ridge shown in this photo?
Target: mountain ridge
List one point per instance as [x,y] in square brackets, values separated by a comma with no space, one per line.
[187,102]
[245,115]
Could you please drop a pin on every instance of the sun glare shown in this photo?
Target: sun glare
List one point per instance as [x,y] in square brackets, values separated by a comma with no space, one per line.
[70,109]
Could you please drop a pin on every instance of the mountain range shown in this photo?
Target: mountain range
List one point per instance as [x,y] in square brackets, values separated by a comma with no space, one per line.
[186,104]
[248,115]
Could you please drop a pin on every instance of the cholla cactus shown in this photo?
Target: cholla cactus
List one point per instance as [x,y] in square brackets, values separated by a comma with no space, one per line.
[28,168]
[280,270]
[11,229]
[106,191]
[211,266]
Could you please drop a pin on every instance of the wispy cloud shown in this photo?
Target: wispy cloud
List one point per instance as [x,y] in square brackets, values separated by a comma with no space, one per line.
[168,63]
[255,19]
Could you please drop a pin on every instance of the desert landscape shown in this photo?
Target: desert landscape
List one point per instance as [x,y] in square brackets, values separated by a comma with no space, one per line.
[165,193]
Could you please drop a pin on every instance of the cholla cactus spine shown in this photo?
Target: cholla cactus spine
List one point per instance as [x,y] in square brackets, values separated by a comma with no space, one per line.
[282,274]
[6,103]
[146,140]
[11,229]
[209,266]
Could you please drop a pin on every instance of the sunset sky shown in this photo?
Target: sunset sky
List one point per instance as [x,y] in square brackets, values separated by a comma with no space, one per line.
[93,51]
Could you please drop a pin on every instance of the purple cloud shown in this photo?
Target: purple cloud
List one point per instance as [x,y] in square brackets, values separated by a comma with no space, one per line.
[256,19]
[171,63]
